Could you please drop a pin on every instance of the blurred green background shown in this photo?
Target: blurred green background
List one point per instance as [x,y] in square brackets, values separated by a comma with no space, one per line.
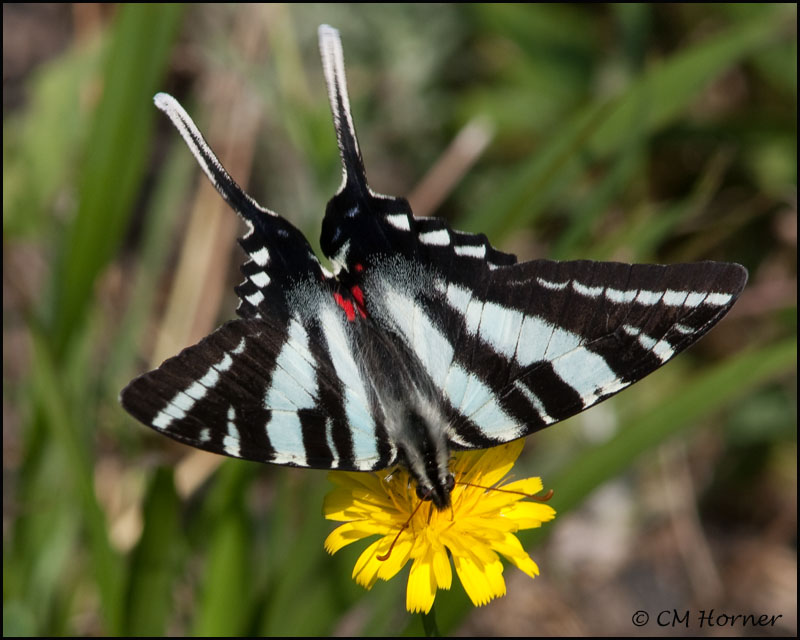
[636,132]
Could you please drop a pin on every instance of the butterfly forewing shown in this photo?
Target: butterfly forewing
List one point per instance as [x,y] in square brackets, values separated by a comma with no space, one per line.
[266,392]
[556,338]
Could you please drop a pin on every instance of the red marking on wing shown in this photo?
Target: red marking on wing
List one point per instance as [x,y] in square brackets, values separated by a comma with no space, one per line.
[346,305]
[358,267]
[359,296]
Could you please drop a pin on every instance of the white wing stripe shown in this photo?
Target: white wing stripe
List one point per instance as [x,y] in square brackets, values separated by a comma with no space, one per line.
[331,445]
[398,221]
[260,279]
[260,257]
[198,389]
[286,437]
[470,250]
[500,327]
[540,340]
[662,348]
[293,387]
[621,297]
[183,401]
[718,299]
[695,299]
[230,443]
[356,404]
[440,237]
[431,347]
[475,400]
[535,402]
[674,298]
[555,286]
[649,297]
[294,381]
[210,379]
[591,292]
[255,298]
[587,373]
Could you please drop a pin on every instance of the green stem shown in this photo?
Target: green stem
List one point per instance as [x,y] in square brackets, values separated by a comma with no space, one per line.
[429,624]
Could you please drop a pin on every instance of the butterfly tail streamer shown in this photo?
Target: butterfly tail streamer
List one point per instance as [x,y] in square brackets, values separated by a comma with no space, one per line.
[233,194]
[330,47]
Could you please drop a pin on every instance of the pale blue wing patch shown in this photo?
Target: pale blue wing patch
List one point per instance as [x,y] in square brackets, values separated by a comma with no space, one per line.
[356,401]
[293,387]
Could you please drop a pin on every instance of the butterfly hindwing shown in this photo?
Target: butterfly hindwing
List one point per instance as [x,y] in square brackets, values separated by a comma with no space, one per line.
[278,252]
[361,225]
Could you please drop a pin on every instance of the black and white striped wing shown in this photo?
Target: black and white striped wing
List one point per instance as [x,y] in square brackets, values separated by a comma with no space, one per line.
[524,346]
[361,226]
[266,391]
[545,340]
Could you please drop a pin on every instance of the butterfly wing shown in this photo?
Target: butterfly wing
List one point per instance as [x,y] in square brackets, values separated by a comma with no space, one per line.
[263,390]
[361,225]
[547,340]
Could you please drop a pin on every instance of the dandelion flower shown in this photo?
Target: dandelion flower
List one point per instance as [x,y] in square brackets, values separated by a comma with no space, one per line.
[476,531]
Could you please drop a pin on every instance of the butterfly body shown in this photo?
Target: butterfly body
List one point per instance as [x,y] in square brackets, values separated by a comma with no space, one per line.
[423,340]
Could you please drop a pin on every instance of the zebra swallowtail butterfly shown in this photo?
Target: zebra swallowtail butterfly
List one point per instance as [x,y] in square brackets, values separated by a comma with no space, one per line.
[422,341]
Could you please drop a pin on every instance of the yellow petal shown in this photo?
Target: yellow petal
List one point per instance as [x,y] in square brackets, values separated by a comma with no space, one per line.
[398,556]
[529,515]
[341,505]
[525,487]
[421,589]
[482,582]
[356,480]
[351,532]
[441,564]
[526,565]
[488,466]
[365,571]
[511,548]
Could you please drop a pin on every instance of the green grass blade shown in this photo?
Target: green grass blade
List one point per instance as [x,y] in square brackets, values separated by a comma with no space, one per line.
[650,103]
[115,159]
[39,143]
[154,564]
[107,564]
[224,602]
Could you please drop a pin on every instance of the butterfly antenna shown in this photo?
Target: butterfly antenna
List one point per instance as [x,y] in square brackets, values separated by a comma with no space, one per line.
[530,496]
[233,194]
[330,47]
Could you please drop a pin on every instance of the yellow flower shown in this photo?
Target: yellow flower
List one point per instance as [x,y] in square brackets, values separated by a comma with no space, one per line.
[480,525]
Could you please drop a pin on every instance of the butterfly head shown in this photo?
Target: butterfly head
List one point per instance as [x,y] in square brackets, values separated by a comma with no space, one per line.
[439,494]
